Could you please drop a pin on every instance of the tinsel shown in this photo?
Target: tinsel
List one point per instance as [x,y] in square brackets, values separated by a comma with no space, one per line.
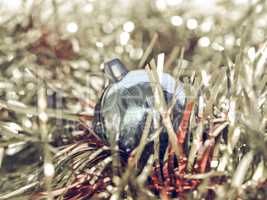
[51,60]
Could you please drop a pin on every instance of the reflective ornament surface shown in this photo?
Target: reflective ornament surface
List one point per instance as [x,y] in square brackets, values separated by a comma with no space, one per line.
[121,113]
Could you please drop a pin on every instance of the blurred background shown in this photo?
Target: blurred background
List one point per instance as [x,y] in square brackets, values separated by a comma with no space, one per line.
[52,54]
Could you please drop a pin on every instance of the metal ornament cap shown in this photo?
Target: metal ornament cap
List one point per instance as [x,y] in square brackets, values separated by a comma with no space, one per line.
[115,70]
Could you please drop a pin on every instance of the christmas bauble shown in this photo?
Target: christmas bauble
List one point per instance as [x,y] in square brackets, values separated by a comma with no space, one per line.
[121,113]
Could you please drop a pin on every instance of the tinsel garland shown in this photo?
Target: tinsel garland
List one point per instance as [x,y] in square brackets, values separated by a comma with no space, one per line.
[51,61]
